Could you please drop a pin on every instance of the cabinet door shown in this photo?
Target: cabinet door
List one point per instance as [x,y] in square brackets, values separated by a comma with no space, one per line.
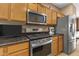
[20,53]
[48,13]
[55,46]
[26,11]
[1,51]
[54,17]
[41,8]
[77,24]
[32,6]
[24,45]
[59,15]
[4,11]
[18,12]
[13,48]
[17,47]
[60,44]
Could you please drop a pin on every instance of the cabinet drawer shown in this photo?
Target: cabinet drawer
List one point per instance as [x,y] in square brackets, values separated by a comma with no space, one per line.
[17,47]
[20,53]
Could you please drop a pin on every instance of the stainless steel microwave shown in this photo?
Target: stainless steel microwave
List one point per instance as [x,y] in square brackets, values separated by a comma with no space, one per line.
[36,18]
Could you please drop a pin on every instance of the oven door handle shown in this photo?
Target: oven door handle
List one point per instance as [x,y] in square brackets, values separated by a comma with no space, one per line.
[37,45]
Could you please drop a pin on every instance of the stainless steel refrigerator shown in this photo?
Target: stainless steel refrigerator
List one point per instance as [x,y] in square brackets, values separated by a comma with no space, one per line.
[67,26]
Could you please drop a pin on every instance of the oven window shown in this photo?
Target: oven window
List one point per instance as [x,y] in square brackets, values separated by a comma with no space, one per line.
[42,50]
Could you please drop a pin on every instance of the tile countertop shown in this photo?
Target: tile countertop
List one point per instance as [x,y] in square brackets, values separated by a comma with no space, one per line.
[8,41]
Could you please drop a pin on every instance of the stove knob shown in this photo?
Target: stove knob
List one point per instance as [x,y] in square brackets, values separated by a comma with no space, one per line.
[39,41]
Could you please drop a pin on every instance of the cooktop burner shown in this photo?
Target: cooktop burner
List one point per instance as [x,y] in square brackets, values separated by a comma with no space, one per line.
[33,36]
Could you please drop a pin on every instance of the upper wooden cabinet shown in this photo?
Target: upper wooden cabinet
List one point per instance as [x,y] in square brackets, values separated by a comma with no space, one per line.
[32,6]
[41,8]
[4,11]
[54,17]
[18,12]
[48,13]
[59,15]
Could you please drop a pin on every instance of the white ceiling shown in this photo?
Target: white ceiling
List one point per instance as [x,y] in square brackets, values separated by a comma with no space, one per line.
[77,9]
[61,5]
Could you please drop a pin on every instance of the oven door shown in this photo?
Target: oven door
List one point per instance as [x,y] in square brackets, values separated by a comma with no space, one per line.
[42,49]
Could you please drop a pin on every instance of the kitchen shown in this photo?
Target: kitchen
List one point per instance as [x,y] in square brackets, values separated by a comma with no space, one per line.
[37,29]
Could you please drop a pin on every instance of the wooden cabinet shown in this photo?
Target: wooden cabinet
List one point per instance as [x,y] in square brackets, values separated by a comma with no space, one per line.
[18,49]
[4,11]
[18,12]
[32,7]
[1,51]
[54,17]
[60,43]
[48,13]
[55,45]
[59,15]
[20,53]
[41,8]
[77,24]
[51,17]
[13,48]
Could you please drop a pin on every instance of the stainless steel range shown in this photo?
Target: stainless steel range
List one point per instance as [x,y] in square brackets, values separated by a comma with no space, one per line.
[40,43]
[40,39]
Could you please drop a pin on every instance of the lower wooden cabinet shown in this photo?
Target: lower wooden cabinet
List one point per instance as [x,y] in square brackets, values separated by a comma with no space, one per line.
[57,44]
[60,43]
[1,51]
[20,49]
[20,53]
[17,49]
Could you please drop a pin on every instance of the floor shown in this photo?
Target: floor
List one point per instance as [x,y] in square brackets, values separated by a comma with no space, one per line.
[75,53]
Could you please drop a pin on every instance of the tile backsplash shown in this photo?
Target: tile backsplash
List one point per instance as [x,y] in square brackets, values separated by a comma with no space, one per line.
[34,28]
